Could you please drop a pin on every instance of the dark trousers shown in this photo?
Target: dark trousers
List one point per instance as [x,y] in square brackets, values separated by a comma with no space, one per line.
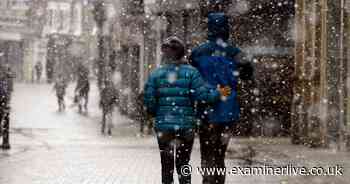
[38,76]
[60,101]
[5,126]
[214,140]
[180,143]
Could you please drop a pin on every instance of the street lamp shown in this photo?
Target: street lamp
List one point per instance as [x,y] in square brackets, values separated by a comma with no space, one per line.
[100,17]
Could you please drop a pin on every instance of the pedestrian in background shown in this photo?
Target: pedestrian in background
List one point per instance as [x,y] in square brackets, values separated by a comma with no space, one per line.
[143,117]
[6,89]
[60,87]
[109,100]
[170,94]
[39,70]
[217,62]
[83,87]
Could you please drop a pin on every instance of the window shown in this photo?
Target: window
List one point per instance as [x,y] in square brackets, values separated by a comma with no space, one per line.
[19,4]
[59,17]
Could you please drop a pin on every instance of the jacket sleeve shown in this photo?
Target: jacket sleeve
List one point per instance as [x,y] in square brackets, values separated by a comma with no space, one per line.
[245,68]
[201,91]
[150,95]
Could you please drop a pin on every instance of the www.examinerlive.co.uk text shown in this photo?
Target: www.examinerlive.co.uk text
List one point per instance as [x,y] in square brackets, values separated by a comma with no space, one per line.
[265,170]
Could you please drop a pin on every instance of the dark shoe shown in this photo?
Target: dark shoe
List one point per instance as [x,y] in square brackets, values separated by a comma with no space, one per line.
[6,147]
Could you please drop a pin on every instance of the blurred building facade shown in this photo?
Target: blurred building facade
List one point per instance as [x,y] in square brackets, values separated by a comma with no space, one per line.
[69,36]
[17,36]
[44,31]
[321,108]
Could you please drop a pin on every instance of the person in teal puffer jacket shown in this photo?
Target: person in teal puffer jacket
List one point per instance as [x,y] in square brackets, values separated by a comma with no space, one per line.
[170,95]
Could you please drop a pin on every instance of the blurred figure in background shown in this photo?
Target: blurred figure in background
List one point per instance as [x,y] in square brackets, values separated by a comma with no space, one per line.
[109,101]
[83,87]
[60,88]
[38,70]
[143,117]
[6,88]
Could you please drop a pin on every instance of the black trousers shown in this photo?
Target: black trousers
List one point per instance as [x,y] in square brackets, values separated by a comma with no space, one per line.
[170,143]
[214,140]
[60,101]
[5,124]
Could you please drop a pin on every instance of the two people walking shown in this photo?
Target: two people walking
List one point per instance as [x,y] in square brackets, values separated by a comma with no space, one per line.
[177,93]
[81,92]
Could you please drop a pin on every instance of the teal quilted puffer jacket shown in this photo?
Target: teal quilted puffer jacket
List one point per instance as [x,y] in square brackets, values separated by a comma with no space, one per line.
[170,94]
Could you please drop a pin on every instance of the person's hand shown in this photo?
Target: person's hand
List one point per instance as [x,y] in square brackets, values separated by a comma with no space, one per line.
[225,91]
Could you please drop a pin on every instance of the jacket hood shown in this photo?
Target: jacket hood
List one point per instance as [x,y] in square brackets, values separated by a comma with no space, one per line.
[218,27]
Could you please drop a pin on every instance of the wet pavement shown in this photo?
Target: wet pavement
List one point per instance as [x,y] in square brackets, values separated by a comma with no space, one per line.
[49,147]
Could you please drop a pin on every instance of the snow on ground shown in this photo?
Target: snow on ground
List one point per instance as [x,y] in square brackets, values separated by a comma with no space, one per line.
[67,148]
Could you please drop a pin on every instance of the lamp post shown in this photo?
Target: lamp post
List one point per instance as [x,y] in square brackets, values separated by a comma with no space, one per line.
[100,17]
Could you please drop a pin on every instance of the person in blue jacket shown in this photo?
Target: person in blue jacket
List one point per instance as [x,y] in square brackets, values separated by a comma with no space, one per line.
[217,61]
[170,95]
